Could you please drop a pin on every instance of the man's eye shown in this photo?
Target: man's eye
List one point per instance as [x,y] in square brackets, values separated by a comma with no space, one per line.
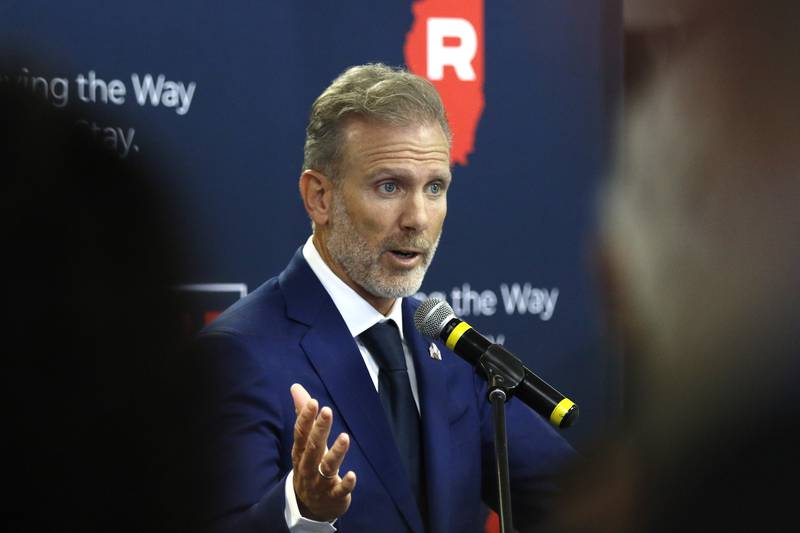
[435,188]
[388,187]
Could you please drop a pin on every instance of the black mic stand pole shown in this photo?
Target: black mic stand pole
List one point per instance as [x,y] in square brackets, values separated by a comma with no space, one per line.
[504,373]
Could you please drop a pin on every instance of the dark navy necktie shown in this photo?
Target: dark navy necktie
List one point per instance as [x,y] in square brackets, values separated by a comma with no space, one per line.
[384,344]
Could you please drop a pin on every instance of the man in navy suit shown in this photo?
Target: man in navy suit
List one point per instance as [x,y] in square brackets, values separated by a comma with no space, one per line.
[293,364]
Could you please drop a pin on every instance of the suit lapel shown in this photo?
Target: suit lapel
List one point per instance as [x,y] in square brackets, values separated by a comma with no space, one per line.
[432,388]
[335,357]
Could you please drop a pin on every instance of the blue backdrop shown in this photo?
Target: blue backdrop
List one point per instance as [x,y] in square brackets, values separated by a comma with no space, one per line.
[216,97]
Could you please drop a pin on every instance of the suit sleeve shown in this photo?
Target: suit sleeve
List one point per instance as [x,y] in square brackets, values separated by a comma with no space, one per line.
[537,458]
[243,436]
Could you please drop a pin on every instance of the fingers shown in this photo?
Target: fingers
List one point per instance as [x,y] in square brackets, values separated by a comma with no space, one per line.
[300,396]
[332,460]
[316,444]
[345,487]
[302,429]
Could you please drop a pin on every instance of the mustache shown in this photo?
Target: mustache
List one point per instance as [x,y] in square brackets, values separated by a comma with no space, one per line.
[416,242]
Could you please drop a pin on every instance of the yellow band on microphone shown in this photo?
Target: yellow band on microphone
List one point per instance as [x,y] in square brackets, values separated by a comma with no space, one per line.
[560,411]
[456,334]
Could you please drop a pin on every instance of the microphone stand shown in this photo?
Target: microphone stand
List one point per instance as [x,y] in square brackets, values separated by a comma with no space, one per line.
[504,373]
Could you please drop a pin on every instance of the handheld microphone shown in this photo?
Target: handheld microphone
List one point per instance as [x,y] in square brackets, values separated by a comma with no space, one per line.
[435,319]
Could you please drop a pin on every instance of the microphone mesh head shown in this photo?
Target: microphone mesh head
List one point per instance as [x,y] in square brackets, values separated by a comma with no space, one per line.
[432,316]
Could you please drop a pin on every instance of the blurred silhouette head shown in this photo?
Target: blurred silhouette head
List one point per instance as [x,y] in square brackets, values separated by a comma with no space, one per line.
[698,237]
[700,213]
[88,327]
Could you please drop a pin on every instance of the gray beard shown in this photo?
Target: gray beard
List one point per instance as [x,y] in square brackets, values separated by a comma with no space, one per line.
[349,248]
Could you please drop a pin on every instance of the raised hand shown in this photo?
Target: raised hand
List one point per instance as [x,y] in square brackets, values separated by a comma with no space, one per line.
[321,493]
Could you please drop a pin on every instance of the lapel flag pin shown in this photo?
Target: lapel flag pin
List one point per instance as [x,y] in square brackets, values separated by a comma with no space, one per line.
[435,353]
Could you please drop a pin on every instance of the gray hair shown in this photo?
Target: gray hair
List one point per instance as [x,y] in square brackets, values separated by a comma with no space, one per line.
[375,92]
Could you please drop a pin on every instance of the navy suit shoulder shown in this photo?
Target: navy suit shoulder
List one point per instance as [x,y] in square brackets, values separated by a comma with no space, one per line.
[244,408]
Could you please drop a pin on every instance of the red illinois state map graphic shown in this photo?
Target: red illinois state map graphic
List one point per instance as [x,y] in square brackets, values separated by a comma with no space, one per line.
[445,45]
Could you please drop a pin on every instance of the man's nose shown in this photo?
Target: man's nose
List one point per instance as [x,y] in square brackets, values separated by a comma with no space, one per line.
[415,212]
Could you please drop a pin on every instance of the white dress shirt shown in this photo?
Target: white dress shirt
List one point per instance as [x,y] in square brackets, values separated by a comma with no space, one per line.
[359,316]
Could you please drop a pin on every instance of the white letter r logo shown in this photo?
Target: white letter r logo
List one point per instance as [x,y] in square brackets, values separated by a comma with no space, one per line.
[459,57]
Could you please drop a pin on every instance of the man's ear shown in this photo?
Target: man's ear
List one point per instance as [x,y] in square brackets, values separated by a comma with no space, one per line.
[316,190]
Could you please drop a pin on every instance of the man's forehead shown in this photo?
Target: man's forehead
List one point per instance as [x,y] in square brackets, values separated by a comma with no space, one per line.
[370,141]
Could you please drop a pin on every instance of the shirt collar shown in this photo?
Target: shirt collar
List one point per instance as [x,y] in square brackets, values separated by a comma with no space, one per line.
[358,314]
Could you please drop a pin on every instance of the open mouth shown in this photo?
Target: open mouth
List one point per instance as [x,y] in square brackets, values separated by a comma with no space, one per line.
[404,254]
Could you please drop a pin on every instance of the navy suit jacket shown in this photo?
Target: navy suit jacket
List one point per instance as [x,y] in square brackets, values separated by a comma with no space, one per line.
[289,331]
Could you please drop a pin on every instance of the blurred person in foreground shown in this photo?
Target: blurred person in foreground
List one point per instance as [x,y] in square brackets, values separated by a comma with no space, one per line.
[92,423]
[702,266]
